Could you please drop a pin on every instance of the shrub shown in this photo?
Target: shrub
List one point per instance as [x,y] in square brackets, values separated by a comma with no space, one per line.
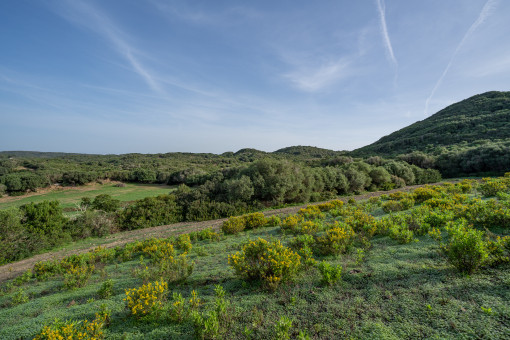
[270,262]
[77,275]
[147,299]
[233,225]
[291,221]
[401,233]
[425,193]
[465,247]
[204,234]
[254,220]
[19,297]
[336,240]
[330,274]
[106,290]
[106,203]
[391,206]
[274,221]
[183,243]
[311,212]
[307,227]
[282,328]
[491,186]
[76,330]
[407,203]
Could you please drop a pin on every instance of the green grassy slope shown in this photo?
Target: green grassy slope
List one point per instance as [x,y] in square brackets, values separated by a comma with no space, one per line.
[484,117]
[70,197]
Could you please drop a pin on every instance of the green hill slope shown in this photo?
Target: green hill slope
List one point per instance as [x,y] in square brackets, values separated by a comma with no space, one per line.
[472,122]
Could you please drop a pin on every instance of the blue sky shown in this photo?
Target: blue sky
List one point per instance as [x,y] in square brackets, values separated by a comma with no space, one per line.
[149,76]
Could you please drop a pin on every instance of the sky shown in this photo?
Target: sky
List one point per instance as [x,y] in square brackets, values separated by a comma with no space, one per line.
[157,76]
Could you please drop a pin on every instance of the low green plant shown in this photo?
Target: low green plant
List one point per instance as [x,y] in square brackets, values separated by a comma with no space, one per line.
[19,297]
[329,274]
[282,328]
[106,290]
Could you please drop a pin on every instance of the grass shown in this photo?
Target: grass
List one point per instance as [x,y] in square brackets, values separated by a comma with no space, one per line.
[398,292]
[70,197]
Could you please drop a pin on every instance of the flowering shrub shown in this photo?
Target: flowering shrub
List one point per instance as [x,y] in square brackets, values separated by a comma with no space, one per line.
[361,222]
[399,195]
[147,299]
[183,243]
[308,227]
[491,186]
[106,290]
[77,275]
[233,225]
[274,221]
[425,193]
[336,240]
[158,249]
[270,262]
[291,221]
[311,212]
[75,329]
[254,220]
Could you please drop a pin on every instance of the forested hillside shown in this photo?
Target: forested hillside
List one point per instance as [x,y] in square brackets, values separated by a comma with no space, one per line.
[471,137]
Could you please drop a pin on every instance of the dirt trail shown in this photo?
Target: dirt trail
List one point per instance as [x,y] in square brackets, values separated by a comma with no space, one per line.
[14,269]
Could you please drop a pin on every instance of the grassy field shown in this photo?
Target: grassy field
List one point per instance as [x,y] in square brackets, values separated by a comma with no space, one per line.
[69,197]
[388,290]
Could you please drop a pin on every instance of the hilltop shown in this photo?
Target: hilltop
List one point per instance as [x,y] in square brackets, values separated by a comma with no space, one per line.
[472,122]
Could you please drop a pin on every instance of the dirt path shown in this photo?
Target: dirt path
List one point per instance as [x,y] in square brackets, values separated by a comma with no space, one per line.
[14,269]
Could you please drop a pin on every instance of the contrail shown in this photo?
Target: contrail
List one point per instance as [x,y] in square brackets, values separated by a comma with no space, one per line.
[484,14]
[384,31]
[86,15]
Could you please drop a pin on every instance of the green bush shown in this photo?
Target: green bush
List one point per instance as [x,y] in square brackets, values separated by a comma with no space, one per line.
[391,206]
[336,240]
[106,290]
[329,274]
[465,247]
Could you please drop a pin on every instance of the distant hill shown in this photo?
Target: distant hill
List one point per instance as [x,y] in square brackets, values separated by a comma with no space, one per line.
[474,121]
[308,151]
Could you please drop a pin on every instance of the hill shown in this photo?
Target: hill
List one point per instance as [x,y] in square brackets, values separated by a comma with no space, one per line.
[475,121]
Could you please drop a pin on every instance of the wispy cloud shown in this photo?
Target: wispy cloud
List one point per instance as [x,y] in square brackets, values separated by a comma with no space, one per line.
[486,11]
[381,7]
[315,79]
[86,15]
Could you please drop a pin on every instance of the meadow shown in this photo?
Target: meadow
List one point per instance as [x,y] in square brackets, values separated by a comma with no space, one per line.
[70,197]
[428,264]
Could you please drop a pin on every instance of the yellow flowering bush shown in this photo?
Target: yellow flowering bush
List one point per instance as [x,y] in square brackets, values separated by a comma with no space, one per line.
[291,221]
[147,299]
[311,212]
[336,240]
[425,193]
[76,330]
[307,227]
[361,222]
[77,275]
[270,262]
[254,220]
[491,186]
[233,225]
[158,249]
[183,242]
